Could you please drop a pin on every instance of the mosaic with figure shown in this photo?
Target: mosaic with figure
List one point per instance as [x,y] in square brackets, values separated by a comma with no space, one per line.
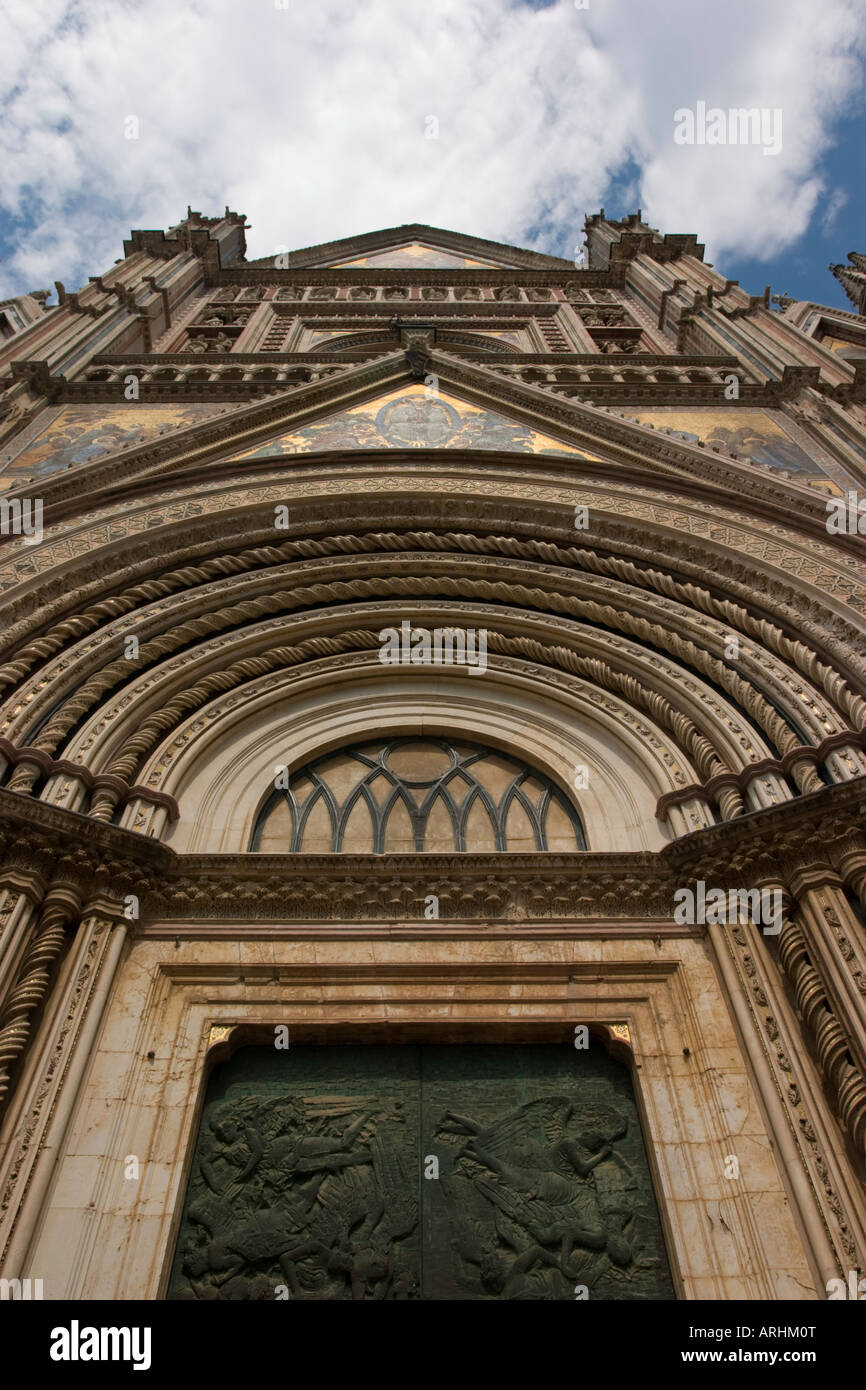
[83,432]
[753,434]
[410,418]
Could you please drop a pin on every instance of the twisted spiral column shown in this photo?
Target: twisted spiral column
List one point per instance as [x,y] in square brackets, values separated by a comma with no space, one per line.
[31,981]
[831,1041]
[852,866]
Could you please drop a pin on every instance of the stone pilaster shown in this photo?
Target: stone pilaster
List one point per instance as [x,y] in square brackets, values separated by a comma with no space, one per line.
[33,1132]
[824,1190]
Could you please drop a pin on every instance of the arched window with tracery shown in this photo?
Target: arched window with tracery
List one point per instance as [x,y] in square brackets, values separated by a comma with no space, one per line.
[416,795]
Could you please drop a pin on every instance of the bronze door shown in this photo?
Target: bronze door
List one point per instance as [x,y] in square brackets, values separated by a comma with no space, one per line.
[433,1172]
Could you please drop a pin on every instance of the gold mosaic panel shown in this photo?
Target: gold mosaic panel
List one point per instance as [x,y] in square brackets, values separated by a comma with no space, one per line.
[415,418]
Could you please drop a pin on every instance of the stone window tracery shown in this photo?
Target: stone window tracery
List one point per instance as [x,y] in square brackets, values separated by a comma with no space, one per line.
[416,795]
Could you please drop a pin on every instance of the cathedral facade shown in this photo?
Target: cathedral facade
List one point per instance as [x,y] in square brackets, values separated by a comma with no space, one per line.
[433,750]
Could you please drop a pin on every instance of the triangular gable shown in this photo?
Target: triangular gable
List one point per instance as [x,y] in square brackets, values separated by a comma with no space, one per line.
[413,417]
[416,254]
[415,245]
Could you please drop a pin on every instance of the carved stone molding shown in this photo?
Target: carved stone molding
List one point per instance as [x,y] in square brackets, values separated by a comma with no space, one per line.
[638,887]
[813,1132]
[44,1098]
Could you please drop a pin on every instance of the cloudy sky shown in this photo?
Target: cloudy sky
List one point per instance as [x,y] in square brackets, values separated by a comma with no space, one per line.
[510,119]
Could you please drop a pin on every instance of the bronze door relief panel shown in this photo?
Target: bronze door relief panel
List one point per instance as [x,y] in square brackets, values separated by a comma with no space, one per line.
[431,1172]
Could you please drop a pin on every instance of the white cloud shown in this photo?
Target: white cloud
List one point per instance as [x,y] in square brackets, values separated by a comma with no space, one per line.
[311,118]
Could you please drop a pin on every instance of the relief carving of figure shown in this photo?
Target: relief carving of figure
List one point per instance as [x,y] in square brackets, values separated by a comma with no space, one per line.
[554,1195]
[309,1193]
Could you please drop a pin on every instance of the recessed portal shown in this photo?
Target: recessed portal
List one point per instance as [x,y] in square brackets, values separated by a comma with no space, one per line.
[421,1172]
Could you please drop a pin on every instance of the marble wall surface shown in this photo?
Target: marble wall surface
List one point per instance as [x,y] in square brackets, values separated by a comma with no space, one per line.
[179,1004]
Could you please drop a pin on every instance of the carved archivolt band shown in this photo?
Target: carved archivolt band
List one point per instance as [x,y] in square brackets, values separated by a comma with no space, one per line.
[734,615]
[669,622]
[461,589]
[669,630]
[155,728]
[698,745]
[659,635]
[220,754]
[701,749]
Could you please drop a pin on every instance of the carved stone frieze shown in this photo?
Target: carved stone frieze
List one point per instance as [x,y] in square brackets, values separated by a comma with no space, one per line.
[629,888]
